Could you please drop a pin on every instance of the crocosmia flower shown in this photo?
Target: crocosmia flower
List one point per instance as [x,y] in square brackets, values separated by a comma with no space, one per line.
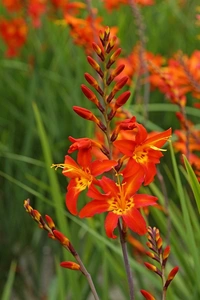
[12,5]
[81,175]
[120,201]
[14,34]
[144,151]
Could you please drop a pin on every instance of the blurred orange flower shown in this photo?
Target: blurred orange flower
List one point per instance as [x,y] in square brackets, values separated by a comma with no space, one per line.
[179,77]
[133,64]
[113,4]
[67,7]
[12,5]
[83,31]
[14,34]
[36,9]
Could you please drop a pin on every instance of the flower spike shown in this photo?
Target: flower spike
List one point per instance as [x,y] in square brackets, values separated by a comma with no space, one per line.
[155,244]
[64,241]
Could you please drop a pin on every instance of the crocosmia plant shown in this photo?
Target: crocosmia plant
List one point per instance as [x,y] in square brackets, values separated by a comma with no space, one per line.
[112,167]
[100,134]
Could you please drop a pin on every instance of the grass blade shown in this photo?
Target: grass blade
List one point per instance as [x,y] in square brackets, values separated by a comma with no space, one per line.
[193,181]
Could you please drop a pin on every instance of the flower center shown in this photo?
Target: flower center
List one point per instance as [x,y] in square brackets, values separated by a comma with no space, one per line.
[85,180]
[120,206]
[140,156]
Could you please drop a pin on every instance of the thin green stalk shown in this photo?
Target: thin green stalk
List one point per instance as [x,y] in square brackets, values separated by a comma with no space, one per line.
[126,261]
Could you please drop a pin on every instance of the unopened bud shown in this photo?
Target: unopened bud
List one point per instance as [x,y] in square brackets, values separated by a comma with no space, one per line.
[153,268]
[70,265]
[147,295]
[98,51]
[61,238]
[95,66]
[113,58]
[115,73]
[93,83]
[171,276]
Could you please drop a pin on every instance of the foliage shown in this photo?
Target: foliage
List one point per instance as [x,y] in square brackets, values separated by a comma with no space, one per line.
[40,79]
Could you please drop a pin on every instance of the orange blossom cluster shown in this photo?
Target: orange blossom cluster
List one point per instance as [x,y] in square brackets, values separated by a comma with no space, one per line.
[112,181]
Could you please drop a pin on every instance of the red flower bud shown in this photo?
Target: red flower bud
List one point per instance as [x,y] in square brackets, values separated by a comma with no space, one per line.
[153,256]
[70,265]
[36,215]
[61,238]
[159,244]
[95,66]
[93,83]
[104,36]
[111,44]
[113,58]
[27,207]
[165,255]
[121,100]
[89,94]
[147,295]
[98,51]
[118,86]
[171,276]
[88,115]
[50,222]
[115,73]
[153,268]
[92,97]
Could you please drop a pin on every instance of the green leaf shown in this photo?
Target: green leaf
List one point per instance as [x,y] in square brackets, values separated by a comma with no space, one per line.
[8,286]
[193,181]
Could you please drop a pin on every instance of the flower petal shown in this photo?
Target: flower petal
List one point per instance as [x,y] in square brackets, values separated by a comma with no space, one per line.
[71,168]
[150,172]
[141,134]
[131,168]
[92,208]
[159,139]
[135,221]
[109,186]
[100,166]
[72,197]
[132,184]
[142,200]
[110,224]
[84,157]
[94,193]
[126,147]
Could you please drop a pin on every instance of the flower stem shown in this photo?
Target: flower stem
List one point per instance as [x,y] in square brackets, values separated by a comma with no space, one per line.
[126,261]
[88,277]
[83,270]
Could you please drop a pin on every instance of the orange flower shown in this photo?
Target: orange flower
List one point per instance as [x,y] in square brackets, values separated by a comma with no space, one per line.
[84,30]
[12,5]
[36,9]
[14,34]
[82,175]
[143,151]
[67,7]
[179,77]
[113,4]
[120,200]
[133,65]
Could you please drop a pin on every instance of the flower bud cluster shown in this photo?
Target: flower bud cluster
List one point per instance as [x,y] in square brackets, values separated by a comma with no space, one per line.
[160,255]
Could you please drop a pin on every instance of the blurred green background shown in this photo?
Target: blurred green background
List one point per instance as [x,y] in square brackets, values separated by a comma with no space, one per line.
[36,118]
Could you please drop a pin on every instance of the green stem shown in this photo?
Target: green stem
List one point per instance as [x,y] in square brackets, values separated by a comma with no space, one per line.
[126,261]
